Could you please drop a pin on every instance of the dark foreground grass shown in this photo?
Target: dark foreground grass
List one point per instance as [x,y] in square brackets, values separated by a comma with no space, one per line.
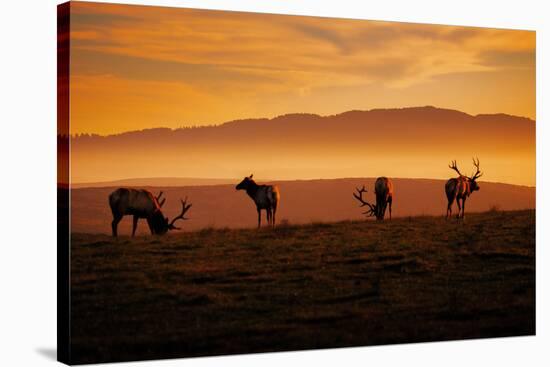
[322,285]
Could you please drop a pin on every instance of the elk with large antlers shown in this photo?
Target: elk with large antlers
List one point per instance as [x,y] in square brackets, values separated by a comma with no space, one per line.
[383,189]
[461,188]
[142,204]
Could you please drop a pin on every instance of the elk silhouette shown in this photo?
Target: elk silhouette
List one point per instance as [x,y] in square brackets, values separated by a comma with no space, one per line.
[265,197]
[142,204]
[383,189]
[461,188]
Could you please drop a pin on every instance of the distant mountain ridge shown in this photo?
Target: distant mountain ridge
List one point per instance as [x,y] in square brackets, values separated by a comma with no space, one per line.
[297,115]
[406,142]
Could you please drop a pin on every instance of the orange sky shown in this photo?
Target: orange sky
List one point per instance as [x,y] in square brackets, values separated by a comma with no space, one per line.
[136,67]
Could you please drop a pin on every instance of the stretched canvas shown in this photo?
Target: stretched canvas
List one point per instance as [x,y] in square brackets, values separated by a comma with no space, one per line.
[234,182]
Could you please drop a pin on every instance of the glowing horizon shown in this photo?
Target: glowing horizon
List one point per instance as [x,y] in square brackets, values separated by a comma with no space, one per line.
[269,180]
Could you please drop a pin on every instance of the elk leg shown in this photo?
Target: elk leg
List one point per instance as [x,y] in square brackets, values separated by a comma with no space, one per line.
[459,207]
[273,217]
[381,211]
[259,217]
[150,224]
[268,214]
[450,208]
[389,202]
[463,207]
[134,225]
[114,225]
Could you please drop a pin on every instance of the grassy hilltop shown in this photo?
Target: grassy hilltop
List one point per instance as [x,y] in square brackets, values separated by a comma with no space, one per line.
[298,287]
[302,202]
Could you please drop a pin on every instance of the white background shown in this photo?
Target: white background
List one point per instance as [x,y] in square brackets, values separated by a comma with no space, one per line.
[28,183]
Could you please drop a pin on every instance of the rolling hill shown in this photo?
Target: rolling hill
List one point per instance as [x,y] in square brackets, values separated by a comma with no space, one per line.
[156,181]
[302,287]
[305,201]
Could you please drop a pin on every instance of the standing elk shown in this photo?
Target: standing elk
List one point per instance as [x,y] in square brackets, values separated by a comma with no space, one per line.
[265,197]
[383,189]
[460,188]
[142,204]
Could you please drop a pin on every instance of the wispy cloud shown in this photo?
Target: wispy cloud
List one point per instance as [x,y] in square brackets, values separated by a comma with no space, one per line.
[258,57]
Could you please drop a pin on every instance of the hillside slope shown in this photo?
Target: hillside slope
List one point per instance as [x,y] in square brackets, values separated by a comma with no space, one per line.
[301,202]
[301,287]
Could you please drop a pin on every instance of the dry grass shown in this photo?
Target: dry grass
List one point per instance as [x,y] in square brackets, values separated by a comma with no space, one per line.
[299,287]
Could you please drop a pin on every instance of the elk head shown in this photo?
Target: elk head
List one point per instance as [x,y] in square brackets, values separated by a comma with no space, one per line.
[359,196]
[245,183]
[161,224]
[472,179]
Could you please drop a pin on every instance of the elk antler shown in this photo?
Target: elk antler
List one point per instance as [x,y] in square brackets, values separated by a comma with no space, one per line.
[359,197]
[478,173]
[161,203]
[454,167]
[184,209]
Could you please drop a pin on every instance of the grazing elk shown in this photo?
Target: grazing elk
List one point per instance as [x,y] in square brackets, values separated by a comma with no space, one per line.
[142,204]
[383,189]
[460,188]
[265,197]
